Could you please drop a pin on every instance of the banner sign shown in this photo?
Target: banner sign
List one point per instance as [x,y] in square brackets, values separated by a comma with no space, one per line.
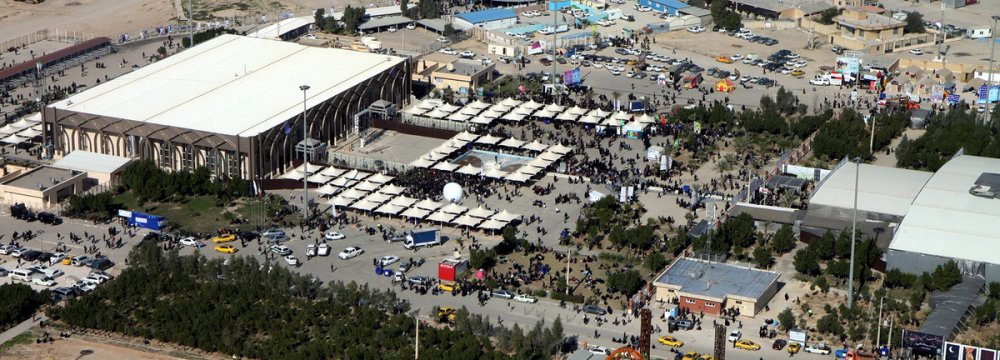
[922,343]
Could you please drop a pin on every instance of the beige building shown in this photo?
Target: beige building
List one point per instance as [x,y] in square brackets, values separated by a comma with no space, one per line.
[42,187]
[859,29]
[711,287]
[101,169]
[460,75]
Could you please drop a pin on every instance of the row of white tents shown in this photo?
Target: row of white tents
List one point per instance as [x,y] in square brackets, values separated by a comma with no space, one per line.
[364,191]
[480,112]
[23,130]
[437,158]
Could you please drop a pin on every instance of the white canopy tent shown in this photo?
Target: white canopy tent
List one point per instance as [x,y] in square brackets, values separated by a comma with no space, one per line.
[481,212]
[534,146]
[495,173]
[469,170]
[478,104]
[518,177]
[471,111]
[544,113]
[340,201]
[550,156]
[403,201]
[422,163]
[506,216]
[428,204]
[599,113]
[488,139]
[491,225]
[590,119]
[492,114]
[30,133]
[357,174]
[449,108]
[364,205]
[352,194]
[378,197]
[522,110]
[538,163]
[511,102]
[453,208]
[531,170]
[482,120]
[318,179]
[332,171]
[291,175]
[428,104]
[415,213]
[512,143]
[313,168]
[367,186]
[566,116]
[577,110]
[513,116]
[646,119]
[621,115]
[328,189]
[501,108]
[380,178]
[445,166]
[555,108]
[389,209]
[392,189]
[611,121]
[441,216]
[460,117]
[560,149]
[437,114]
[466,220]
[342,182]
[466,136]
[531,104]
[414,110]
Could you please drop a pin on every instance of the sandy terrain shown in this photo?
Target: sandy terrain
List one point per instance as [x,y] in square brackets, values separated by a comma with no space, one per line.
[100,17]
[78,349]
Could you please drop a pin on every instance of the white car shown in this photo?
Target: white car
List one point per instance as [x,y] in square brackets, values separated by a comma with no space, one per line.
[614,72]
[50,272]
[792,56]
[598,65]
[599,350]
[696,29]
[442,39]
[389,260]
[917,51]
[333,235]
[630,74]
[86,287]
[321,250]
[281,250]
[448,51]
[56,258]
[291,260]
[43,281]
[103,275]
[392,29]
[734,335]
[467,54]
[525,299]
[190,241]
[350,252]
[546,31]
[643,8]
[819,82]
[310,36]
[605,22]
[736,57]
[17,252]
[820,348]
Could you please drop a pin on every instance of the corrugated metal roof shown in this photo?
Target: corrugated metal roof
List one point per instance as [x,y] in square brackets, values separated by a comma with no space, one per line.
[274,31]
[717,280]
[92,162]
[478,17]
[881,189]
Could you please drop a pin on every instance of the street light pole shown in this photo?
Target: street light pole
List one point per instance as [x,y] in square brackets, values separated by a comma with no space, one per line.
[305,158]
[878,332]
[989,79]
[854,234]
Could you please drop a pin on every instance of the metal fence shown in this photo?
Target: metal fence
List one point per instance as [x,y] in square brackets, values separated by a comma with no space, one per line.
[25,40]
[434,123]
[367,164]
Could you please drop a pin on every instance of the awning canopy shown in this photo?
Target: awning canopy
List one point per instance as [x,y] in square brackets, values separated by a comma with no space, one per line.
[332,171]
[441,216]
[512,143]
[340,201]
[428,204]
[531,104]
[466,136]
[389,209]
[567,116]
[459,117]
[422,163]
[445,166]
[577,110]
[367,186]
[378,197]
[478,104]
[560,149]
[318,179]
[518,177]
[392,189]
[380,178]
[466,220]
[535,146]
[506,216]
[555,108]
[513,116]
[403,201]
[328,189]
[352,194]
[491,225]
[415,213]
[469,170]
[510,102]
[453,208]
[364,205]
[449,108]
[488,139]
[481,212]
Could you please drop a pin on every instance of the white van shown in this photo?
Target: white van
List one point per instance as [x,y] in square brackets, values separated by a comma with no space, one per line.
[21,274]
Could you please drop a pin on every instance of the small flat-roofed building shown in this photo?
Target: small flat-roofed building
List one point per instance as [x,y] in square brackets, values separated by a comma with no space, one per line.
[857,26]
[711,287]
[490,19]
[460,75]
[42,187]
[288,29]
[780,9]
[100,168]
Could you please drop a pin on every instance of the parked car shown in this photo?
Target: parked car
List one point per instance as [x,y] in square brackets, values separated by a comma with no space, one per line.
[683,324]
[418,280]
[503,294]
[467,54]
[272,232]
[670,341]
[281,250]
[388,260]
[819,348]
[226,249]
[525,298]
[291,260]
[223,238]
[333,235]
[779,344]
[49,218]
[595,310]
[350,252]
[43,281]
[6,249]
[190,241]
[81,260]
[747,345]
[734,335]
[101,264]
[794,347]
[917,51]
[696,29]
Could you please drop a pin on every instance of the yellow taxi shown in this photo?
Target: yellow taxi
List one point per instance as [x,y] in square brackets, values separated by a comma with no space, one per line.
[797,72]
[794,347]
[670,341]
[226,249]
[707,357]
[224,238]
[67,260]
[724,59]
[691,356]
[747,345]
[447,313]
[448,287]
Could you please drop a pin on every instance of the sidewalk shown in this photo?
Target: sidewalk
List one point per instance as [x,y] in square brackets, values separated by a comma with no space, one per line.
[20,328]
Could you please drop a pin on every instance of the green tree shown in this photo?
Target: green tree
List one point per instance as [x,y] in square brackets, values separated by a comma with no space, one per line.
[784,240]
[830,324]
[824,246]
[429,9]
[625,282]
[18,302]
[914,23]
[352,18]
[449,30]
[762,257]
[845,137]
[482,259]
[827,16]
[822,284]
[786,319]
[895,278]
[945,276]
[656,261]
[806,262]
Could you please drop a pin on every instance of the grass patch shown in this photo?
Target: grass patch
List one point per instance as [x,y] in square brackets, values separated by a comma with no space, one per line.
[196,214]
[24,338]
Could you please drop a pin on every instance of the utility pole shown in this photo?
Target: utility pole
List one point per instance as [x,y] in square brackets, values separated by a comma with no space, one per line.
[305,160]
[871,143]
[854,234]
[555,13]
[989,79]
[943,47]
[416,344]
[191,22]
[568,251]
[878,332]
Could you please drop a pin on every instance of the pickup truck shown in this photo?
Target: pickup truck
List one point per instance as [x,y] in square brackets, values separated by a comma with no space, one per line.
[820,348]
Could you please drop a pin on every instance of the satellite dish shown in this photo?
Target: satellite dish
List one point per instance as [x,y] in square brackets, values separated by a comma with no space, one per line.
[453,192]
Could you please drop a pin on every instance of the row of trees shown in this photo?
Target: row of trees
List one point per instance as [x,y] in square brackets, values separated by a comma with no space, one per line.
[257,310]
[835,252]
[848,136]
[150,183]
[18,302]
[950,132]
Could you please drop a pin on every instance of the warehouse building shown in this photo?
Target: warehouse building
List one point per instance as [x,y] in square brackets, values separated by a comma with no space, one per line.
[490,19]
[232,104]
[711,287]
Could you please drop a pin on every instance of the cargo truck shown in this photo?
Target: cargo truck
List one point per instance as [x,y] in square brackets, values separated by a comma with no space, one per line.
[421,238]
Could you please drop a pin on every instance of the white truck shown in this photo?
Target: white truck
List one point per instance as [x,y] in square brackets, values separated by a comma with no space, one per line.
[421,238]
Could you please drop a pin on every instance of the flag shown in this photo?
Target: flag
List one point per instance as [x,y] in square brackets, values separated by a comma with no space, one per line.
[287,128]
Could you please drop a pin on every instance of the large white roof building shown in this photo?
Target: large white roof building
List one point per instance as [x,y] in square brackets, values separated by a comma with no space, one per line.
[224,90]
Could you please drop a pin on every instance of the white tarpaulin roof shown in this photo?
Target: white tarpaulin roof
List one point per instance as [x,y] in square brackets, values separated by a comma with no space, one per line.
[466,136]
[469,170]
[577,110]
[403,201]
[544,113]
[357,174]
[92,162]
[453,208]
[343,182]
[535,146]
[549,156]
[232,85]
[428,204]
[367,186]
[318,179]
[646,119]
[599,113]
[380,178]
[590,119]
[458,117]
[481,212]
[560,149]
[291,175]
[391,189]
[421,163]
[389,209]
[428,104]
[512,143]
[521,110]
[518,177]
[566,116]
[510,102]
[378,197]
[491,114]
[441,216]
[500,108]
[413,110]
[333,172]
[513,116]
[327,189]
[340,201]
[488,139]
[466,220]
[313,168]
[481,120]
[539,163]
[471,111]
[506,216]
[352,194]
[495,173]
[30,133]
[449,108]
[7,130]
[478,104]
[415,213]
[882,190]
[437,114]
[531,104]
[555,108]
[491,225]
[445,166]
[621,115]
[364,205]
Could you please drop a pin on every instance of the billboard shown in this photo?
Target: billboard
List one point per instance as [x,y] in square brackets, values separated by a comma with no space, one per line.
[848,65]
[571,77]
[922,343]
[954,351]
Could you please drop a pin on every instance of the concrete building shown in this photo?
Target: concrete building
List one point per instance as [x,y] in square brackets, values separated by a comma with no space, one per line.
[779,9]
[42,187]
[711,287]
[860,29]
[667,6]
[232,104]
[101,169]
[490,19]
[460,75]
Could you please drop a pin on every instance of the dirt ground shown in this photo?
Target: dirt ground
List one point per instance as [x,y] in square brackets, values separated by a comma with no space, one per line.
[75,348]
[100,17]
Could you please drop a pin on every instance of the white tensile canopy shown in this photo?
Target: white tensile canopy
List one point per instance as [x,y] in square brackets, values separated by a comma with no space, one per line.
[510,102]
[458,117]
[291,175]
[436,155]
[621,115]
[333,171]
[313,168]
[449,108]
[555,108]
[444,149]
[506,216]
[367,186]
[482,120]
[389,209]
[466,220]
[522,110]
[471,111]
[549,155]
[590,119]
[491,225]
[481,212]
[611,121]
[4,131]
[318,179]
[646,119]
[403,201]
[428,204]
[30,133]
[577,110]
[352,194]
[437,114]
[23,123]
[340,201]
[518,177]
[566,116]
[501,108]
[599,113]
[392,189]
[512,143]
[453,208]
[364,205]
[357,174]
[378,197]
[343,182]
[544,113]
[488,139]
[513,116]
[414,110]
[380,178]
[560,149]
[531,104]
[10,129]
[535,146]
[415,213]
[538,163]
[492,114]
[531,170]
[466,136]
[496,173]
[445,166]
[428,104]
[422,163]
[479,104]
[327,189]
[441,216]
[469,170]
